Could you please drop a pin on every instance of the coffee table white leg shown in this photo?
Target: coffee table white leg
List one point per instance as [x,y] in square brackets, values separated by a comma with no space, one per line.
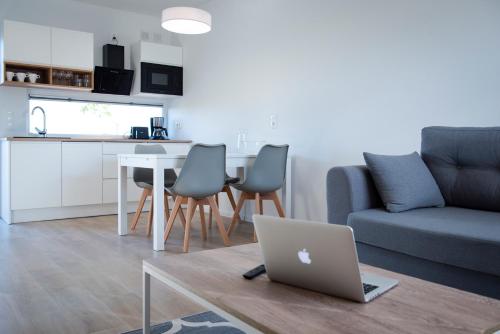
[146,302]
[158,207]
[122,200]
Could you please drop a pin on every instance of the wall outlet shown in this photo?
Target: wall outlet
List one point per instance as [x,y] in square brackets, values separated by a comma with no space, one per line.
[273,122]
[178,125]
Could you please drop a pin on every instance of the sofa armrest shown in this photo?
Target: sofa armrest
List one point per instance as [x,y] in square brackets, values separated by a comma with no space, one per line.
[349,189]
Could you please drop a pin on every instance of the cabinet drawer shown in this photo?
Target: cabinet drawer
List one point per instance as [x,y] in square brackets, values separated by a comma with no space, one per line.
[118,148]
[110,191]
[110,167]
[128,148]
[177,148]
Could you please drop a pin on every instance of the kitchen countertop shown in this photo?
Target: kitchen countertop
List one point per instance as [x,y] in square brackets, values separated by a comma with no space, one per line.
[107,140]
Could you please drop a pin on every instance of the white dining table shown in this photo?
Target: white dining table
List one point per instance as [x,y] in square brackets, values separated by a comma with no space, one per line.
[160,162]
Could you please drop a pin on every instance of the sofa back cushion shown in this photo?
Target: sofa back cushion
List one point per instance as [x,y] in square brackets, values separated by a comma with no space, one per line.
[465,163]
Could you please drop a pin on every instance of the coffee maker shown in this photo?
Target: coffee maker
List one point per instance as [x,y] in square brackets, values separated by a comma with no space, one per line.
[158,130]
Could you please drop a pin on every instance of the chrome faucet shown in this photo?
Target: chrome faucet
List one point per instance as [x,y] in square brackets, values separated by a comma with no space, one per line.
[42,132]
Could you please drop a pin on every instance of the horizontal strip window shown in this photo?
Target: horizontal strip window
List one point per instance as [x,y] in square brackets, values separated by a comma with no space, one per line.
[72,117]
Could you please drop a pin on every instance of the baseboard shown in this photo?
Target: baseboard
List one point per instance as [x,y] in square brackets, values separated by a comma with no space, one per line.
[23,216]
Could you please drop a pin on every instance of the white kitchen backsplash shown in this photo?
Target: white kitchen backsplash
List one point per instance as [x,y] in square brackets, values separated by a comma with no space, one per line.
[13,111]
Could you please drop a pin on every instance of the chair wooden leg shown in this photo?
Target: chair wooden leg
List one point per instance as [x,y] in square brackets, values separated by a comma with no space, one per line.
[258,204]
[202,221]
[170,223]
[236,215]
[210,212]
[210,218]
[277,204]
[187,230]
[166,205]
[150,216]
[142,200]
[229,192]
[218,220]
[182,217]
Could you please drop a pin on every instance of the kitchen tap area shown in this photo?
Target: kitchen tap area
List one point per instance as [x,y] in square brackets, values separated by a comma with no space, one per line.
[41,132]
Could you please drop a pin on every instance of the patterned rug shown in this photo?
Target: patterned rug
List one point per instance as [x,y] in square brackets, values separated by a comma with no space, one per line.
[201,323]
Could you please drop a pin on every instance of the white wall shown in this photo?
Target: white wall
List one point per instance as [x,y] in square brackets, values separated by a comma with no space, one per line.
[103,22]
[342,76]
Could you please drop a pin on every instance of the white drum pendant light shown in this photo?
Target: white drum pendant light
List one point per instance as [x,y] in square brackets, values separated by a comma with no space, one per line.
[186,20]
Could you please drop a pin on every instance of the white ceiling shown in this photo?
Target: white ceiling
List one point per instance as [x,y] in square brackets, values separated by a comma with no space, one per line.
[148,7]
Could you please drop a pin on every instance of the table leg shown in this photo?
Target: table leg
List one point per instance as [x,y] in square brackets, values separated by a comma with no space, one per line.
[158,208]
[146,302]
[287,189]
[122,201]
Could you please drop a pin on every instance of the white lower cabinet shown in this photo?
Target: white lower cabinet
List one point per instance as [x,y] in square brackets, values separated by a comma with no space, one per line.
[81,174]
[35,175]
[44,180]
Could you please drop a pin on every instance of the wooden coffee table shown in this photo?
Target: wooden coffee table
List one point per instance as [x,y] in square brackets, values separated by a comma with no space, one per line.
[213,279]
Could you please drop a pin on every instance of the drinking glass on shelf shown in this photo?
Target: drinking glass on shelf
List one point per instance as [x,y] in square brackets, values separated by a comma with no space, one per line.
[86,80]
[78,81]
[58,77]
[69,78]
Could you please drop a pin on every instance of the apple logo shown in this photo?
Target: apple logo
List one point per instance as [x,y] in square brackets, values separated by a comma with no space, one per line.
[304,256]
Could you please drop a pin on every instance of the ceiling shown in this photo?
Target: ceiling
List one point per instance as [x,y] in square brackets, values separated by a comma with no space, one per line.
[148,7]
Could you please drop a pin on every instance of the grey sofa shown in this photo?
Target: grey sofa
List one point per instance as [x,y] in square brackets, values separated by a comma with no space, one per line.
[458,245]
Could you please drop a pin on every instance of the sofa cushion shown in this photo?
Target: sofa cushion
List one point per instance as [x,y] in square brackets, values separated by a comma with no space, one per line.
[465,163]
[403,181]
[461,237]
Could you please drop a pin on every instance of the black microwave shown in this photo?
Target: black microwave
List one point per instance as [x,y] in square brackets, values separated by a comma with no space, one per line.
[161,79]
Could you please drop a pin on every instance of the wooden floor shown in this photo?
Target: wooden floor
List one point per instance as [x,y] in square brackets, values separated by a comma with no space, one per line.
[79,276]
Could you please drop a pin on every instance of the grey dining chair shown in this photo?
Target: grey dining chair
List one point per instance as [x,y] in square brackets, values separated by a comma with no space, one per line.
[143,178]
[266,176]
[202,176]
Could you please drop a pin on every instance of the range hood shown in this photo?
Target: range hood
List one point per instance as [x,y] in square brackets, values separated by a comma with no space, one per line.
[112,78]
[112,81]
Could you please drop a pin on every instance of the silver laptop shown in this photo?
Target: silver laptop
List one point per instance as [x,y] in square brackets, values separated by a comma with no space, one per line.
[316,256]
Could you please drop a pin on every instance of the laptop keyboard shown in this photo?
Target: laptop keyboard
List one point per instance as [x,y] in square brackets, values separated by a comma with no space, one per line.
[368,288]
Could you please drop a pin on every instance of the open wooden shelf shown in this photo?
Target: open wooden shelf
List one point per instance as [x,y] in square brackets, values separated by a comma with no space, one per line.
[51,77]
[42,85]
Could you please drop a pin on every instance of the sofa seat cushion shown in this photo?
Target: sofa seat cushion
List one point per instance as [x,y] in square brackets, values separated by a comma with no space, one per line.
[464,238]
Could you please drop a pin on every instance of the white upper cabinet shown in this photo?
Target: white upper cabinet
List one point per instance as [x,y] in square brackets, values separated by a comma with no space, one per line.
[72,49]
[33,44]
[27,43]
[159,53]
